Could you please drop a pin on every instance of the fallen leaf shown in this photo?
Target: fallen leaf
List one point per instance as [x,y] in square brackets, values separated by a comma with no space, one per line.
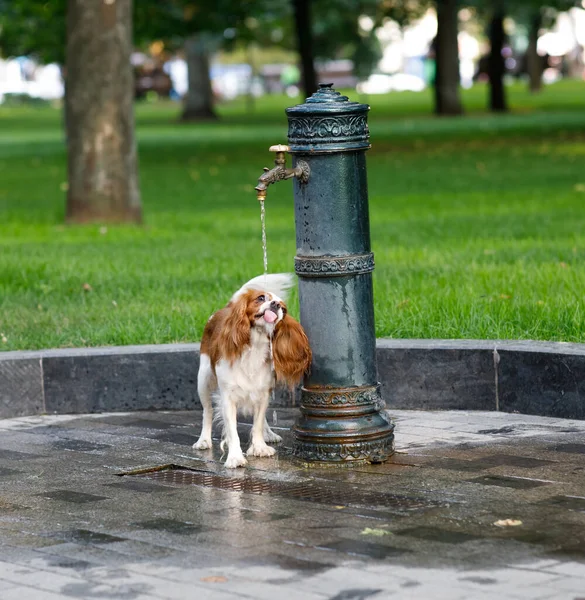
[103,230]
[340,507]
[580,187]
[64,186]
[563,265]
[505,296]
[403,303]
[87,287]
[508,523]
[214,579]
[375,532]
[114,303]
[3,338]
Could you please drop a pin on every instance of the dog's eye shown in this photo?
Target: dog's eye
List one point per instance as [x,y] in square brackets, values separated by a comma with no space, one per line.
[260,299]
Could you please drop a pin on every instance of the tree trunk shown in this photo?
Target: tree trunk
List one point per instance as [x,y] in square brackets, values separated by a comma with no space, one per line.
[304,32]
[533,60]
[198,103]
[102,163]
[447,97]
[496,64]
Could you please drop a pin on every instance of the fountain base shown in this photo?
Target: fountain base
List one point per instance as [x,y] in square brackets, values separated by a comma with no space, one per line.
[343,425]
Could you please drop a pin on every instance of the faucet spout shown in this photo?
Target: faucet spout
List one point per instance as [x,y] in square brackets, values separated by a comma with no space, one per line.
[280,172]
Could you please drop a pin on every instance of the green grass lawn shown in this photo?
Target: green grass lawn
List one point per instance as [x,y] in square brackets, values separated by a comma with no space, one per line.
[478,223]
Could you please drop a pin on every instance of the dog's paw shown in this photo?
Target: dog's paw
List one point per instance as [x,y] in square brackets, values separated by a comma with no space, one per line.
[235,460]
[202,444]
[261,450]
[271,438]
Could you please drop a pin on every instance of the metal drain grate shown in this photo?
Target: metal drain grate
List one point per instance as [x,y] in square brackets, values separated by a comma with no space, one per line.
[307,491]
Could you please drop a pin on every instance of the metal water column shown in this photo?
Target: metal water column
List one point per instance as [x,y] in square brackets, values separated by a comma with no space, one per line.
[342,418]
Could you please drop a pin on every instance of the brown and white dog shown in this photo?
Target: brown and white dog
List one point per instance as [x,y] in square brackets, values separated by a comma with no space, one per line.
[247,347]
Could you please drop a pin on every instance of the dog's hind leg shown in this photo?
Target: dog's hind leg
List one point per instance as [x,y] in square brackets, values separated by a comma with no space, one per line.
[258,446]
[235,457]
[206,385]
[269,436]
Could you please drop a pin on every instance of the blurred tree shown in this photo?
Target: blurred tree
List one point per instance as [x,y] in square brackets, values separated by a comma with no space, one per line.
[447,79]
[535,14]
[304,32]
[199,28]
[102,162]
[496,61]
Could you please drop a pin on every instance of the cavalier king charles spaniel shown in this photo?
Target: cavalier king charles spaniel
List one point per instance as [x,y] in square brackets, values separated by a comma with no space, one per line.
[246,349]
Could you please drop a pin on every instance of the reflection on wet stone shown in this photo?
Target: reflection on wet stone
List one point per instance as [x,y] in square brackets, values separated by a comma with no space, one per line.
[79,445]
[170,526]
[12,455]
[84,536]
[434,534]
[288,562]
[568,502]
[144,486]
[454,464]
[572,448]
[363,549]
[68,496]
[510,460]
[358,594]
[4,472]
[260,517]
[182,439]
[511,482]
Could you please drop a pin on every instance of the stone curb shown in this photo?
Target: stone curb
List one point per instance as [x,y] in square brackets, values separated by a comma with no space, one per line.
[539,378]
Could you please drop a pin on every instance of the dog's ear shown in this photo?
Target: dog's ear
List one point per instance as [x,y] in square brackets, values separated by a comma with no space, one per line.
[291,352]
[235,334]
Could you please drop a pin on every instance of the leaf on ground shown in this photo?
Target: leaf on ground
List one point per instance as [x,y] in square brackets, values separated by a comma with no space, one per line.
[508,523]
[375,532]
[505,296]
[87,287]
[214,579]
[580,187]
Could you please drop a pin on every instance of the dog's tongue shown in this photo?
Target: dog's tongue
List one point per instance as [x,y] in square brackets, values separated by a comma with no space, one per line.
[269,316]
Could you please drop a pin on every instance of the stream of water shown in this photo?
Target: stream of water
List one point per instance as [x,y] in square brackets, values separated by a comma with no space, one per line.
[265,256]
[264,250]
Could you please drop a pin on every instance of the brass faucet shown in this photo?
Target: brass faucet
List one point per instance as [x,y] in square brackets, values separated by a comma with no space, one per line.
[280,172]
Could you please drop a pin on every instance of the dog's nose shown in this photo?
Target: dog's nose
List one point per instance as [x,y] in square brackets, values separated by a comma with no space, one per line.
[274,305]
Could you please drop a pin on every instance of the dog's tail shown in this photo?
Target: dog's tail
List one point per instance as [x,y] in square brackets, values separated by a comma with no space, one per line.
[275,283]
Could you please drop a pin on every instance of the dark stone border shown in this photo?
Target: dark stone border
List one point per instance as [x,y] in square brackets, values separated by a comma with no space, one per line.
[540,378]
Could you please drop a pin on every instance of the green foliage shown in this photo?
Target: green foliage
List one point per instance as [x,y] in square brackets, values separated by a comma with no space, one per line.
[477,223]
[33,27]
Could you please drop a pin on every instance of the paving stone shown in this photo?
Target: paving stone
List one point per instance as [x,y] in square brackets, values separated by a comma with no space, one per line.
[111,536]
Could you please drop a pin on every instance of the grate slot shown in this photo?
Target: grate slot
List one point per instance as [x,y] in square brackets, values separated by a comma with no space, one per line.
[306,491]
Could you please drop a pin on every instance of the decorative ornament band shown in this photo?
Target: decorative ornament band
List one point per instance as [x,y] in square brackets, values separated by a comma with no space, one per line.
[334,266]
[328,133]
[341,397]
[371,451]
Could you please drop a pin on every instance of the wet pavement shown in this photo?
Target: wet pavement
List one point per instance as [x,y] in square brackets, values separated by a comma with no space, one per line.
[473,505]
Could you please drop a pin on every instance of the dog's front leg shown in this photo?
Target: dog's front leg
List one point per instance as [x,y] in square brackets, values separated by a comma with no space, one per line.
[259,447]
[235,457]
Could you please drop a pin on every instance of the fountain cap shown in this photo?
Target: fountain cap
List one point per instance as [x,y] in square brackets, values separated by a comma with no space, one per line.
[328,122]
